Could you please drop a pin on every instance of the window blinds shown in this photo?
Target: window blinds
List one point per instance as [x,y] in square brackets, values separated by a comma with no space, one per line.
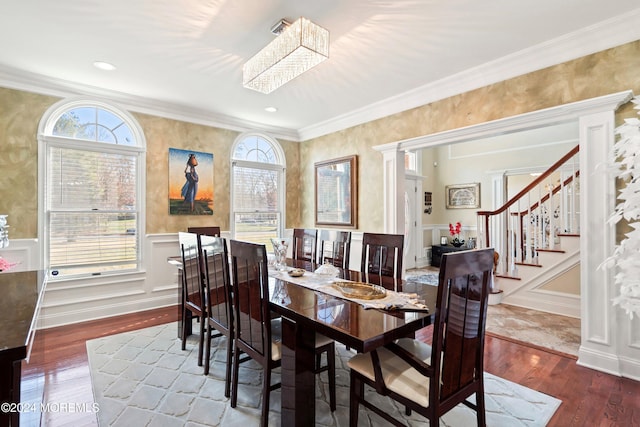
[91,208]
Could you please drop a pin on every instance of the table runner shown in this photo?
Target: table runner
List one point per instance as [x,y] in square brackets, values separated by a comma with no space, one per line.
[323,283]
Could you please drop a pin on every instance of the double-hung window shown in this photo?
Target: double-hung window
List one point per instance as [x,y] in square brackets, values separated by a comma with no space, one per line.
[257,188]
[93,177]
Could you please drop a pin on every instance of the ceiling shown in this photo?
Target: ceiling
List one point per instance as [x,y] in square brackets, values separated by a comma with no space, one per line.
[183,58]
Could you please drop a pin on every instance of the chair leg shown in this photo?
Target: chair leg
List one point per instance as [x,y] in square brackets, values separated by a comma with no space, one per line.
[227,378]
[357,391]
[266,391]
[184,326]
[234,376]
[480,412]
[207,351]
[201,344]
[331,363]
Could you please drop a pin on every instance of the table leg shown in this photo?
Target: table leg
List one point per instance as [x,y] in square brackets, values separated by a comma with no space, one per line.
[298,378]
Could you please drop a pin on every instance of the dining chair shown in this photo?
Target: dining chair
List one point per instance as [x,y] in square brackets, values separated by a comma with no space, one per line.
[207,231]
[382,254]
[256,332]
[431,380]
[335,248]
[305,244]
[192,288]
[217,292]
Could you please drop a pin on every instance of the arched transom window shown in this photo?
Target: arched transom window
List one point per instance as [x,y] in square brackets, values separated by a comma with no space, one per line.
[93,171]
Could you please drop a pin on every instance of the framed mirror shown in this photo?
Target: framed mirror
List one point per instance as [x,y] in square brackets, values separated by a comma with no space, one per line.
[336,192]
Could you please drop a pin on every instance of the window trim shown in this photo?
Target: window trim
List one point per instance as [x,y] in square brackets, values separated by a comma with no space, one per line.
[46,138]
[280,167]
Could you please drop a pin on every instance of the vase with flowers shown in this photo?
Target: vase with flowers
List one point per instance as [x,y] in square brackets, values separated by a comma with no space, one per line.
[455,230]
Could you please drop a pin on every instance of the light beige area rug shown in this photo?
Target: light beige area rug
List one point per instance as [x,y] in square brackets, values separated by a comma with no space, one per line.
[143,378]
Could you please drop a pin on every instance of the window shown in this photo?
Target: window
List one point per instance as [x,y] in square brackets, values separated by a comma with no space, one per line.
[257,189]
[93,176]
[410,162]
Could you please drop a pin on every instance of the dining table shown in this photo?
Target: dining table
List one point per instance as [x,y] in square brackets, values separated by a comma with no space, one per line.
[306,311]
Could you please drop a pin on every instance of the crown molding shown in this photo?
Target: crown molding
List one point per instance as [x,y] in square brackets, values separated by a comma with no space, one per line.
[604,35]
[601,36]
[32,82]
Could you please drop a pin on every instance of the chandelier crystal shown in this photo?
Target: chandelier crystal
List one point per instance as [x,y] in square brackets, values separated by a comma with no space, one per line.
[299,47]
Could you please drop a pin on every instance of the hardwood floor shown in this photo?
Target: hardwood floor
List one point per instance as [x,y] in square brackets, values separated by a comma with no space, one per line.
[589,398]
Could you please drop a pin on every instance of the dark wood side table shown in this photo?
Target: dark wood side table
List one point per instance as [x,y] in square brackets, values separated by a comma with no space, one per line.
[438,250]
[19,307]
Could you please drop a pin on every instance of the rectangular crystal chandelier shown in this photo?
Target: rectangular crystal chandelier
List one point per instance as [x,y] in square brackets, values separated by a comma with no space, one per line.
[299,47]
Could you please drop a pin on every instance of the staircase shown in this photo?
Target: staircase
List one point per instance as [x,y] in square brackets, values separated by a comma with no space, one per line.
[536,234]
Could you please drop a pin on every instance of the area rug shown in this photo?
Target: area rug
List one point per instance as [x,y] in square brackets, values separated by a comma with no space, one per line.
[421,277]
[143,378]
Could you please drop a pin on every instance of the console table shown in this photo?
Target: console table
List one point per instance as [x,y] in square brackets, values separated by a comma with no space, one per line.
[438,250]
[19,306]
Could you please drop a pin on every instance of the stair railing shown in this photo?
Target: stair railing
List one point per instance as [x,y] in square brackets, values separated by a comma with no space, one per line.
[532,220]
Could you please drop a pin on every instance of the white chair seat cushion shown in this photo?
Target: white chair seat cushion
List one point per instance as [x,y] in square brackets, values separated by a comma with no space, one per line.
[322,340]
[398,376]
[276,339]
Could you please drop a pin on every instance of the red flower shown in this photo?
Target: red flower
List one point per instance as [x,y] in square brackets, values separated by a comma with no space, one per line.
[455,230]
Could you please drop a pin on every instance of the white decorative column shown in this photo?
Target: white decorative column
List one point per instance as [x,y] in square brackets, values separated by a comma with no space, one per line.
[608,343]
[393,187]
[498,236]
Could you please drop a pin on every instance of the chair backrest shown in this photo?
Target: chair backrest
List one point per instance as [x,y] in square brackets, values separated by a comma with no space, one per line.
[251,299]
[207,231]
[192,289]
[382,254]
[459,326]
[305,244]
[217,285]
[335,248]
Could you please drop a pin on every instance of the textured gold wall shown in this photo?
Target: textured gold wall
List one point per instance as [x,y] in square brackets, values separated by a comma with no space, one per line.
[605,72]
[20,114]
[599,74]
[162,134]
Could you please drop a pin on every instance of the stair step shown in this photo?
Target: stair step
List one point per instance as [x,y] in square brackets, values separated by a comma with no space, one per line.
[569,234]
[530,264]
[559,251]
[506,276]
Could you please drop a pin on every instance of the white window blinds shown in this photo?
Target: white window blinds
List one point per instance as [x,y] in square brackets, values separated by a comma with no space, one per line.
[91,206]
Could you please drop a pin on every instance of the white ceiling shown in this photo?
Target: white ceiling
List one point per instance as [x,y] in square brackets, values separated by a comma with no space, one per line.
[183,58]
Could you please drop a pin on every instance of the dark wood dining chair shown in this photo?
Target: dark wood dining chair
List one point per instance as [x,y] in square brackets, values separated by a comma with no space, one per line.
[382,254]
[305,242]
[192,288]
[431,380]
[207,231]
[335,248]
[217,292]
[257,333]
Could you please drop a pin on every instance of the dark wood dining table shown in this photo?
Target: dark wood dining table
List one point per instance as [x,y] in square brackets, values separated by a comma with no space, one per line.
[305,311]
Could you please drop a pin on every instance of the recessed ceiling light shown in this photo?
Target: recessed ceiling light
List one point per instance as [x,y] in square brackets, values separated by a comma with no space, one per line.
[104,65]
[271,109]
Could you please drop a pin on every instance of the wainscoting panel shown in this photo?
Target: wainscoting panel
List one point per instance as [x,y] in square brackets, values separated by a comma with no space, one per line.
[79,300]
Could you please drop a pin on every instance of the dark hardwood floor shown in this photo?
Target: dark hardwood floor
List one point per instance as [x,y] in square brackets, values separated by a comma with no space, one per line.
[589,398]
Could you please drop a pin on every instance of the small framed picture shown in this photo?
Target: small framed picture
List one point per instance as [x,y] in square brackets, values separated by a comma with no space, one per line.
[463,196]
[443,240]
